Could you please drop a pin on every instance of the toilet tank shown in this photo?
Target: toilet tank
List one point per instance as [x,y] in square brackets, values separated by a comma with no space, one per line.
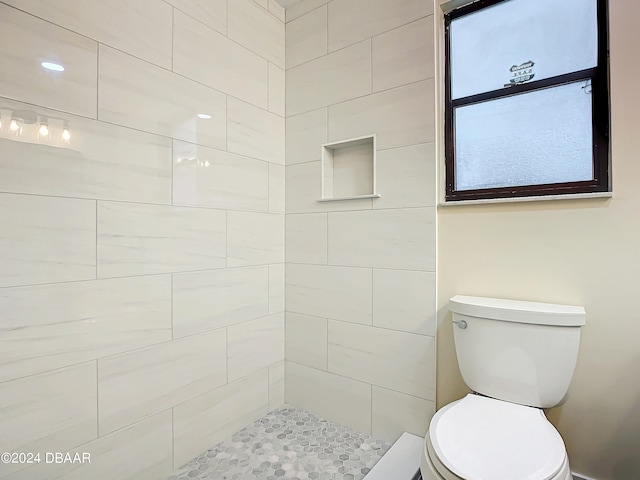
[517,351]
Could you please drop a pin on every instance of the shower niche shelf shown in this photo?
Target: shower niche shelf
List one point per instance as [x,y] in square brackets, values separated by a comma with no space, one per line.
[349,169]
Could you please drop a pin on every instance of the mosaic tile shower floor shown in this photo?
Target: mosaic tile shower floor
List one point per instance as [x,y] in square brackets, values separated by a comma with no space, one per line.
[288,444]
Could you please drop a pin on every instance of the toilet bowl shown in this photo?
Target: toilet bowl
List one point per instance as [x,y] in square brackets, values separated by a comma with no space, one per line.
[481,438]
[517,357]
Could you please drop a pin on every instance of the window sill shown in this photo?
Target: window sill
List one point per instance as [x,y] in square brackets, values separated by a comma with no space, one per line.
[572,196]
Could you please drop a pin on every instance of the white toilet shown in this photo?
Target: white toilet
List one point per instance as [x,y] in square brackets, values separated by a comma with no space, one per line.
[517,357]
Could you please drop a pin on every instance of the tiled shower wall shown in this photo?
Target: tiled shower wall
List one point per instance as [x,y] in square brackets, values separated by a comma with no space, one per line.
[142,277]
[360,281]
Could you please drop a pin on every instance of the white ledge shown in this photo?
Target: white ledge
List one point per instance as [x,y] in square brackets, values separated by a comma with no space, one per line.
[571,196]
[355,197]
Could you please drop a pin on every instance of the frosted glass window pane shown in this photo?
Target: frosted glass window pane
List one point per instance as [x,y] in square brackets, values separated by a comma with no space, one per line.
[533,138]
[558,36]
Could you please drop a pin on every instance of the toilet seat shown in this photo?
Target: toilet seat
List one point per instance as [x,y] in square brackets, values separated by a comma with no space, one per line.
[479,438]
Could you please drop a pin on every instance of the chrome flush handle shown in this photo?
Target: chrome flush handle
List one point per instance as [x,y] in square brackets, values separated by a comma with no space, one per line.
[461,324]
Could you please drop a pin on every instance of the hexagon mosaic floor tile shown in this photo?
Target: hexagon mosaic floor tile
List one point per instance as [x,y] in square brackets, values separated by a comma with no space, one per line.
[288,444]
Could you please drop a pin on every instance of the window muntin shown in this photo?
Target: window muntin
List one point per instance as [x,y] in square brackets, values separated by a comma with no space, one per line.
[527,151]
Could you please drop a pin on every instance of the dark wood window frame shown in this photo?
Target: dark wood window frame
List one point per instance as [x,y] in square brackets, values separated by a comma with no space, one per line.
[599,77]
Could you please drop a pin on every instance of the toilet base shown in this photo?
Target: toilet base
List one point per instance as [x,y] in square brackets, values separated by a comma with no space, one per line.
[430,472]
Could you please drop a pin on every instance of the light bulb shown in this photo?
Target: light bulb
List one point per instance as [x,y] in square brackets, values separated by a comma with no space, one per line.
[55,67]
[66,134]
[44,130]
[13,126]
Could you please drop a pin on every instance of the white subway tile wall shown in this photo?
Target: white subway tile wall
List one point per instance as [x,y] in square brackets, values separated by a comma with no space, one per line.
[360,274]
[142,202]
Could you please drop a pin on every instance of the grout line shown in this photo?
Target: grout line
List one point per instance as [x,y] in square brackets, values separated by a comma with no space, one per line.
[371,65]
[96,258]
[171,186]
[226,239]
[362,381]
[169,205]
[173,439]
[171,305]
[173,34]
[369,325]
[226,347]
[371,406]
[144,275]
[97,402]
[97,79]
[163,342]
[355,42]
[327,225]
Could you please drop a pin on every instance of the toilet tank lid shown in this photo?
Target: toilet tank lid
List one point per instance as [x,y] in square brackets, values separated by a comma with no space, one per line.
[518,311]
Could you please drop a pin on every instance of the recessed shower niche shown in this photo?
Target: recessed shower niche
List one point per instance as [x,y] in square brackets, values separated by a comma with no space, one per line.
[349,169]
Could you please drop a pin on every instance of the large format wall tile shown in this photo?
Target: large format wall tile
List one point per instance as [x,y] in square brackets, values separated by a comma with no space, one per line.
[142,29]
[52,412]
[255,344]
[306,238]
[46,239]
[141,450]
[405,300]
[276,385]
[209,419]
[51,326]
[254,238]
[306,340]
[137,384]
[406,176]
[136,239]
[331,292]
[254,132]
[26,42]
[404,55]
[330,79]
[211,58]
[307,37]
[304,190]
[140,95]
[257,29]
[212,13]
[395,413]
[354,20]
[102,161]
[395,360]
[331,396]
[401,116]
[397,238]
[306,133]
[206,177]
[276,288]
[218,298]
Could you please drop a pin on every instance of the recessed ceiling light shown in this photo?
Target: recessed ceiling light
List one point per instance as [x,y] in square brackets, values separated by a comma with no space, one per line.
[56,67]
[204,115]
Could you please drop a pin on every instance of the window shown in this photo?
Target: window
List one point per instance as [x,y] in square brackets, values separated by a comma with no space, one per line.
[527,100]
